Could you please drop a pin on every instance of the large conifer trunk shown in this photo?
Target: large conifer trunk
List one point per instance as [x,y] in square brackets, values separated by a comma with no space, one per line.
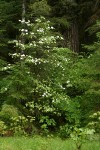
[71,37]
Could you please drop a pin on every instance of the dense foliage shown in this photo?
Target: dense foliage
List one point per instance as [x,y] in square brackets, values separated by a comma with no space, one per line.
[47,85]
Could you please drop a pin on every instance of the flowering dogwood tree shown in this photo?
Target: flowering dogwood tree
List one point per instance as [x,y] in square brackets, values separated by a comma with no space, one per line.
[35,80]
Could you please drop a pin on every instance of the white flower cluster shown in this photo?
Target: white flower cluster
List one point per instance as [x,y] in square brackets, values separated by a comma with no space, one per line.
[41,42]
[49,27]
[66,59]
[29,59]
[35,61]
[41,30]
[69,83]
[22,56]
[19,44]
[61,87]
[60,65]
[25,22]
[38,20]
[4,89]
[24,31]
[60,98]
[18,55]
[22,46]
[47,40]
[22,21]
[32,33]
[59,37]
[15,55]
[46,94]
[6,68]
[33,44]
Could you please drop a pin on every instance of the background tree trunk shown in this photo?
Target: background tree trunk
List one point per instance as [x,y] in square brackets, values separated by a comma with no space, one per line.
[23,23]
[23,10]
[71,37]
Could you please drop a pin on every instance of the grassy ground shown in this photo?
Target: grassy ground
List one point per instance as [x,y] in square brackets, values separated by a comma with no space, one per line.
[40,143]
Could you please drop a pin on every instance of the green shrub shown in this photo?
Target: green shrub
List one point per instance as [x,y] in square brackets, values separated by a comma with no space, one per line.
[7,112]
[3,128]
[81,135]
[95,122]
[46,122]
[65,131]
[22,125]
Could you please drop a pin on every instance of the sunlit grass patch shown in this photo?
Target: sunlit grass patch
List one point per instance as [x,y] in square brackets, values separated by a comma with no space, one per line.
[43,143]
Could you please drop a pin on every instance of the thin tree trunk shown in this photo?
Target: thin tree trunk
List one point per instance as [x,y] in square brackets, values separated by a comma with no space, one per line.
[23,22]
[23,10]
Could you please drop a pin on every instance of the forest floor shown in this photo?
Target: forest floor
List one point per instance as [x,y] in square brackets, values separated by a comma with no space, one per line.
[43,143]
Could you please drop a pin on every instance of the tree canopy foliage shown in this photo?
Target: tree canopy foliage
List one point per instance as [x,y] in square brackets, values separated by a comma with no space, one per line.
[49,64]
